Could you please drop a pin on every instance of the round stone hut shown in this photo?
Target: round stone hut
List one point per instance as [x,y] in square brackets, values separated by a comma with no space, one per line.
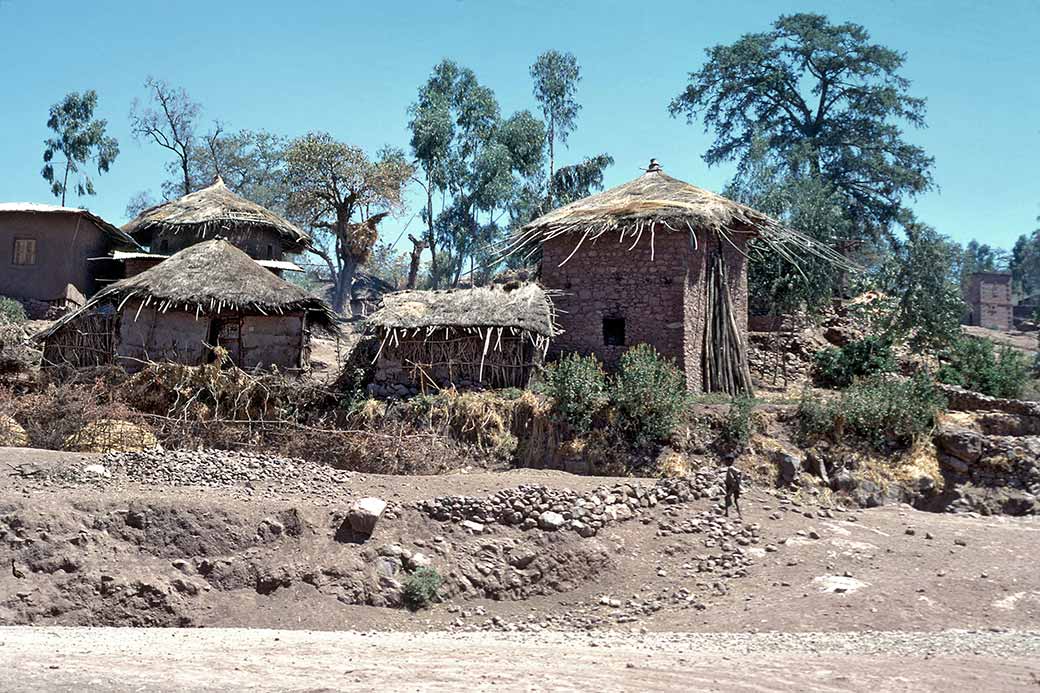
[208,295]
[662,262]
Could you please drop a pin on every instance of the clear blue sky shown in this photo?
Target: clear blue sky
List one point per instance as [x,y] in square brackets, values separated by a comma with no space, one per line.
[352,68]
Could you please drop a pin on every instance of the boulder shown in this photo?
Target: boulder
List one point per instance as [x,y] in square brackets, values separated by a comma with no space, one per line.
[964,444]
[110,435]
[365,513]
[551,521]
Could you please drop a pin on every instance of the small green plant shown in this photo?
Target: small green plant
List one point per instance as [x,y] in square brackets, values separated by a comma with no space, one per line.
[649,396]
[578,388]
[976,364]
[11,311]
[420,589]
[739,422]
[877,409]
[839,367]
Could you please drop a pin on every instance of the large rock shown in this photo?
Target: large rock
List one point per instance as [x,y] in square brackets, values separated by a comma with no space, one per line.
[961,443]
[365,513]
[12,435]
[551,521]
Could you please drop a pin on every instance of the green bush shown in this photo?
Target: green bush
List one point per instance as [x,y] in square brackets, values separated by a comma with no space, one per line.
[420,589]
[975,364]
[11,311]
[649,396]
[739,423]
[578,389]
[838,368]
[877,409]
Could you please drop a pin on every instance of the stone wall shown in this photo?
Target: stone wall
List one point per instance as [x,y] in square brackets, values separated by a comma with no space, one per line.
[259,245]
[180,337]
[662,300]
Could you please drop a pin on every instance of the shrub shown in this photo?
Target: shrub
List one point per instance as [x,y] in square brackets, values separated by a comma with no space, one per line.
[838,368]
[420,589]
[739,423]
[877,409]
[578,389]
[11,311]
[975,364]
[649,396]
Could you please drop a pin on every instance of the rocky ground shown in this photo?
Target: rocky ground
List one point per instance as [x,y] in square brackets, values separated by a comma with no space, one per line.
[528,558]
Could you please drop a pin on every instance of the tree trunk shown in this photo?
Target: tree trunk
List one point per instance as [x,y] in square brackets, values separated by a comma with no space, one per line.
[552,159]
[184,169]
[413,266]
[430,239]
[65,183]
[344,284]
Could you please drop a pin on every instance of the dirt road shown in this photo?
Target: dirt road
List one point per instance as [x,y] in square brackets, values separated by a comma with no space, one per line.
[113,659]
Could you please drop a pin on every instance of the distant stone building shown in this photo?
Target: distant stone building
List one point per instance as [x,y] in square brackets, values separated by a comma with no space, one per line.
[655,261]
[989,300]
[44,253]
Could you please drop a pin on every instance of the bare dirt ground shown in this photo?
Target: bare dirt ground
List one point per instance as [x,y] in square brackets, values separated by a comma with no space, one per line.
[1025,342]
[109,659]
[882,599]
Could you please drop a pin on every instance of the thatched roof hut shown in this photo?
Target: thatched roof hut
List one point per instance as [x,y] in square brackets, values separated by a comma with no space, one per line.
[211,294]
[663,262]
[656,202]
[214,211]
[487,336]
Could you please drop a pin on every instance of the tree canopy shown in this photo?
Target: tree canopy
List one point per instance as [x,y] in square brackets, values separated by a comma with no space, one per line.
[336,190]
[80,138]
[171,122]
[474,159]
[556,76]
[827,102]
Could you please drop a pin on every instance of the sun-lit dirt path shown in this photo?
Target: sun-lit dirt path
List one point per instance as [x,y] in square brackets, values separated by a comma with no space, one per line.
[111,659]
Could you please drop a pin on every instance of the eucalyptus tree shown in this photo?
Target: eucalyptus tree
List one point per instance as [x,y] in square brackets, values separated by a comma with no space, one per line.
[556,76]
[79,137]
[474,160]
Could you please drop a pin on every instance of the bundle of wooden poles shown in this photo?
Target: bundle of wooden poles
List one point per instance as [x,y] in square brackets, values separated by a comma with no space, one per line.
[725,353]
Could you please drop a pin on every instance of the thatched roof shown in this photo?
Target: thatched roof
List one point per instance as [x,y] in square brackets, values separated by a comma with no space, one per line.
[209,277]
[654,202]
[211,211]
[120,238]
[526,307]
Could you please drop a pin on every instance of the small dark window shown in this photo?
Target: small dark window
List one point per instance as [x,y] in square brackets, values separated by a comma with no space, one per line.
[24,251]
[614,331]
[164,246]
[270,252]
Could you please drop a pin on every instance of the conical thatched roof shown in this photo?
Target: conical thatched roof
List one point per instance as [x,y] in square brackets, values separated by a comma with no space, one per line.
[209,277]
[211,211]
[654,202]
[526,307]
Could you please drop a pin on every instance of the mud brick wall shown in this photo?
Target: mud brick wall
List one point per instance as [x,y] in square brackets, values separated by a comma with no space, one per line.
[661,300]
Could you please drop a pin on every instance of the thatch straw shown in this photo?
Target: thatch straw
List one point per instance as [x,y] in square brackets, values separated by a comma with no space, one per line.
[526,307]
[209,277]
[656,202]
[212,211]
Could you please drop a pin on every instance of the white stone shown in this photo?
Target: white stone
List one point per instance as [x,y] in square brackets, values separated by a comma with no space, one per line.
[365,513]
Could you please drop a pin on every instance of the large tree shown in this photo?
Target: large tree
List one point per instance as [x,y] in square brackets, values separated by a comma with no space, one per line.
[170,120]
[828,102]
[79,138]
[341,194]
[250,162]
[556,76]
[474,160]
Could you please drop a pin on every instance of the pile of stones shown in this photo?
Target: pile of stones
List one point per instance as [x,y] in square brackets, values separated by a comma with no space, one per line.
[550,509]
[212,468]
